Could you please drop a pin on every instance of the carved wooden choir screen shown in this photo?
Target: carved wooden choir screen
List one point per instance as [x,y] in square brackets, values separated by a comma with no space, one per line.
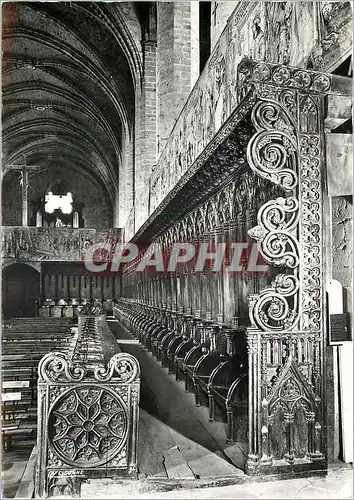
[218,296]
[286,413]
[88,412]
[275,199]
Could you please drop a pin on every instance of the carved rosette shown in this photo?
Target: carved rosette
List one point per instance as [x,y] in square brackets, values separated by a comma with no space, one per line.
[254,73]
[88,421]
[87,426]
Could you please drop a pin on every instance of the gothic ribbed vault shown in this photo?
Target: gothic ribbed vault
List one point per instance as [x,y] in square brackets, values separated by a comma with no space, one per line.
[69,76]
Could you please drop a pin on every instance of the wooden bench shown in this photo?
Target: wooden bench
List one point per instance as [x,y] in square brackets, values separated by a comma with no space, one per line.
[150,331]
[185,348]
[147,332]
[182,351]
[143,330]
[172,347]
[164,352]
[200,375]
[205,358]
[158,337]
[219,378]
[25,342]
[212,360]
[26,423]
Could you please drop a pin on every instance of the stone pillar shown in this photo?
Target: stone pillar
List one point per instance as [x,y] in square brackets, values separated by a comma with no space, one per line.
[177,61]
[125,193]
[24,197]
[146,151]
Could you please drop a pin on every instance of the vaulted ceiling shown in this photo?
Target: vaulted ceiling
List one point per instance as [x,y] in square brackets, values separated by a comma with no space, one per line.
[68,81]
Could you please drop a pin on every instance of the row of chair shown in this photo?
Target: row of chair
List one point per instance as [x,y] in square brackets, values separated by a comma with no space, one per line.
[24,342]
[211,359]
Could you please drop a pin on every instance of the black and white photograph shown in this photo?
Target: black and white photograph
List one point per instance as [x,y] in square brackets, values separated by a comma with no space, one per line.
[177,249]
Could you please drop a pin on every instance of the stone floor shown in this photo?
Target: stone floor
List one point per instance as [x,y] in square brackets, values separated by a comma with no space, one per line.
[13,465]
[338,484]
[169,419]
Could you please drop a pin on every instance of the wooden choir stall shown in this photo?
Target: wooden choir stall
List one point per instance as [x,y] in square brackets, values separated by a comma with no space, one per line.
[247,337]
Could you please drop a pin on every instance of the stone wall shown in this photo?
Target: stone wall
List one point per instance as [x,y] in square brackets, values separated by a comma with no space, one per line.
[11,203]
[170,52]
[97,206]
[342,238]
[55,244]
[177,60]
[146,132]
[129,229]
[220,13]
[264,31]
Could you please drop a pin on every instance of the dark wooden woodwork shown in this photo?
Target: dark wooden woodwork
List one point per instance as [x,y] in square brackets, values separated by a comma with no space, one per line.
[92,385]
[259,180]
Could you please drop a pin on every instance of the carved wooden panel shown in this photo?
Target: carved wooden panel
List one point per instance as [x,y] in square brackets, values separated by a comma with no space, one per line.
[275,199]
[223,218]
[87,415]
[58,244]
[87,426]
[286,337]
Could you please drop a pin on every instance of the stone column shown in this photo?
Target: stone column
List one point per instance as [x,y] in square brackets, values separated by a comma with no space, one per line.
[24,180]
[146,150]
[177,61]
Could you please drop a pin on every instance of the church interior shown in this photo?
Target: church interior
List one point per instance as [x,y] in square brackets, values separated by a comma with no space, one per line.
[177,196]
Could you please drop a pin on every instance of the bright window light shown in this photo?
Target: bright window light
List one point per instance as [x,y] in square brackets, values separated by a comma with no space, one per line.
[58,202]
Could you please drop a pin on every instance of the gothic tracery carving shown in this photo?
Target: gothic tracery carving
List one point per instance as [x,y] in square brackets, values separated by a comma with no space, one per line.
[87,426]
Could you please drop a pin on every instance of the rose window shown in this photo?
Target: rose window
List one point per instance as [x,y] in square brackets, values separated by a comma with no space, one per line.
[87,426]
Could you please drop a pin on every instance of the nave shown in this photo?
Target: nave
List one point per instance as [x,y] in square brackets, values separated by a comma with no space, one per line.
[134,131]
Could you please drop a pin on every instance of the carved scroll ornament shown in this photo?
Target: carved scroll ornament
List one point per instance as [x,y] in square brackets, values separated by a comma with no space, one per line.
[122,367]
[287,316]
[271,152]
[58,367]
[276,231]
[276,307]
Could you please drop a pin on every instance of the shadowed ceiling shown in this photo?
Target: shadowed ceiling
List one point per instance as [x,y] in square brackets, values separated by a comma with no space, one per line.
[68,80]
